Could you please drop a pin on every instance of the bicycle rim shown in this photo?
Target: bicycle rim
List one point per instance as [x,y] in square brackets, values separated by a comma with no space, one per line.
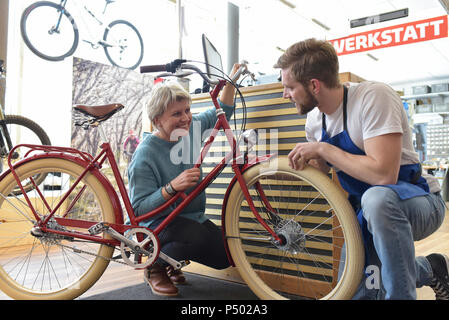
[22,130]
[321,255]
[50,267]
[123,45]
[48,33]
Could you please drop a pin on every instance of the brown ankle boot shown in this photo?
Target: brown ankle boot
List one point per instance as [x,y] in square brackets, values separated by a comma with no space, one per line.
[176,276]
[161,285]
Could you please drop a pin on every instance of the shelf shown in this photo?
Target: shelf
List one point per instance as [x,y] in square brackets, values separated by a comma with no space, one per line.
[426,95]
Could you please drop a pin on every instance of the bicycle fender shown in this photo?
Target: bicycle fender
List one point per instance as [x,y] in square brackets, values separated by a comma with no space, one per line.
[253,163]
[118,212]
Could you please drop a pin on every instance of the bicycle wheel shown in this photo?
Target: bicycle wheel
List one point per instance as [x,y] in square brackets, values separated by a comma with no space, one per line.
[315,222]
[123,44]
[49,30]
[51,266]
[19,130]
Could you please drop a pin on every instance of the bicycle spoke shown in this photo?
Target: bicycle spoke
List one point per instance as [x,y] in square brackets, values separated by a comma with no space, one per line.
[42,263]
[305,263]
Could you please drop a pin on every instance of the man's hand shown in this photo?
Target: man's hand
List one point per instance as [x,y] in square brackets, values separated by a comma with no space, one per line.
[302,153]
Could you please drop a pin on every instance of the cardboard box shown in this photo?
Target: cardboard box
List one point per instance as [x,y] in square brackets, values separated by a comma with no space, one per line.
[350,77]
[441,107]
[440,87]
[421,89]
[424,108]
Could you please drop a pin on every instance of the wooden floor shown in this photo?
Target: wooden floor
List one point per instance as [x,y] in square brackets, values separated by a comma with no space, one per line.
[119,276]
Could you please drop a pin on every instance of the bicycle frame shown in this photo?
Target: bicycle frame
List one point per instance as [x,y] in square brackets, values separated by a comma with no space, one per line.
[5,138]
[4,134]
[93,164]
[63,4]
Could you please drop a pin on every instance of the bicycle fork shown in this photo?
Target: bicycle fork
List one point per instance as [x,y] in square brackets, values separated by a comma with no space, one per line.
[248,198]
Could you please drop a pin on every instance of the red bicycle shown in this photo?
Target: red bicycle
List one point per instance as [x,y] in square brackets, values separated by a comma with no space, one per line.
[283,229]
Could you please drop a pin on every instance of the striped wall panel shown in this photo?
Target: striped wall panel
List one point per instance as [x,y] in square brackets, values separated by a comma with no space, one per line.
[280,128]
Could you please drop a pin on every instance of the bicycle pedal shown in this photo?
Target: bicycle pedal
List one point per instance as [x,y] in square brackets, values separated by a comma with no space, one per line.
[98,228]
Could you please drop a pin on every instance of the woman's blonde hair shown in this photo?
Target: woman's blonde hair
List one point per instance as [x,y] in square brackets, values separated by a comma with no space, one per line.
[164,94]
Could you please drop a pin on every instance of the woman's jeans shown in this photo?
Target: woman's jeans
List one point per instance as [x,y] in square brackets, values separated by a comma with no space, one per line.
[392,270]
[186,239]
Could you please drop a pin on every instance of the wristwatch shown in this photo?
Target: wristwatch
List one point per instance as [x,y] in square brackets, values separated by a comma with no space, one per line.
[170,190]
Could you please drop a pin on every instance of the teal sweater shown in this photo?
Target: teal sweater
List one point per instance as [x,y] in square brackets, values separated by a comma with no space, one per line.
[157,161]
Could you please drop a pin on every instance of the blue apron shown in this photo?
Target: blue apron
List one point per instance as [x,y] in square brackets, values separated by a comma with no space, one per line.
[410,183]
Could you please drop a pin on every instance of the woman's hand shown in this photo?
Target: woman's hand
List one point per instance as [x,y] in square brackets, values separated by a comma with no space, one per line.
[227,94]
[187,179]
[235,68]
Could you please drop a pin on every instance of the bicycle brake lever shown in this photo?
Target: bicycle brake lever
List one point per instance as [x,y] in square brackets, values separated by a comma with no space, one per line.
[178,74]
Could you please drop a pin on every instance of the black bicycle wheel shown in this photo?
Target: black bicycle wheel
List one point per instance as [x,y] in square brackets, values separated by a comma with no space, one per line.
[123,44]
[49,31]
[20,130]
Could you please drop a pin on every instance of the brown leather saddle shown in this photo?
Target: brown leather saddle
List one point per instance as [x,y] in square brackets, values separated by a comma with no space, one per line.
[98,113]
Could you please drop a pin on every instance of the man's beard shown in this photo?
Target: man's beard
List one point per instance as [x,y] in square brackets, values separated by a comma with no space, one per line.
[309,104]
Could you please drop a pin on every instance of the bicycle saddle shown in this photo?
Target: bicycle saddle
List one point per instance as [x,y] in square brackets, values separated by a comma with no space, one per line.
[100,113]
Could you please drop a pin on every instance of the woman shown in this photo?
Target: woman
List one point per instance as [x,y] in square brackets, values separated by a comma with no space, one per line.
[163,165]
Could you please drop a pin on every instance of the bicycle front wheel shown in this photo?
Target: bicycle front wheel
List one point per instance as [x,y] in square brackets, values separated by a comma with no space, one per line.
[48,266]
[123,44]
[20,130]
[321,254]
[49,31]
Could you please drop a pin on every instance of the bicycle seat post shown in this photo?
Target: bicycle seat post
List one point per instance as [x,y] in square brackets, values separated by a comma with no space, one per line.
[102,133]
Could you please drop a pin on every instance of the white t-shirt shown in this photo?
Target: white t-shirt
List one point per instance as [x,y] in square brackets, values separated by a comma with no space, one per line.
[373,109]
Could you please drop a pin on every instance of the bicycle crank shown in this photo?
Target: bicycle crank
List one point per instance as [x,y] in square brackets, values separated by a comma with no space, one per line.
[138,255]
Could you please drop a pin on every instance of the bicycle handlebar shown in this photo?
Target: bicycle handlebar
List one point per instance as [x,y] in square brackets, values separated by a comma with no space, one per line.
[169,67]
[177,65]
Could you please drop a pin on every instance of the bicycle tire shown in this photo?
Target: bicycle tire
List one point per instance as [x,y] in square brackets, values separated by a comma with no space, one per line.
[29,132]
[45,267]
[304,266]
[37,46]
[109,49]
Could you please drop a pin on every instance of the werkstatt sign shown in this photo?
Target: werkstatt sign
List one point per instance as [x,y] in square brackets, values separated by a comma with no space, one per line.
[418,31]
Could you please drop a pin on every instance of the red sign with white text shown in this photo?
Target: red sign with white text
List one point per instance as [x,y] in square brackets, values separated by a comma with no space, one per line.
[418,31]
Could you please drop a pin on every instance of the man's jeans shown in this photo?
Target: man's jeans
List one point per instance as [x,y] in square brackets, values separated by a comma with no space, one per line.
[395,224]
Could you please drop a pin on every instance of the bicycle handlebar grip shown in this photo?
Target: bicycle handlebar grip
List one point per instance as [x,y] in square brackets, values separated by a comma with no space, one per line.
[153,68]
[169,67]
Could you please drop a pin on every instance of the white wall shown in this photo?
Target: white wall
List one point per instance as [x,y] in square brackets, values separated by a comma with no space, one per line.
[42,90]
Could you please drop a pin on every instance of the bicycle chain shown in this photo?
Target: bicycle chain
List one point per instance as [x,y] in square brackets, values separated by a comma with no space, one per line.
[76,250]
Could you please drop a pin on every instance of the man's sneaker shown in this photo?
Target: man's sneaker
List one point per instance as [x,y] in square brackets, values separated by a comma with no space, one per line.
[440,279]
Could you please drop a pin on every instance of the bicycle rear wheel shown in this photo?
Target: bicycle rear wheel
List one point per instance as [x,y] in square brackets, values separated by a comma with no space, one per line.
[49,266]
[49,31]
[123,44]
[19,130]
[315,223]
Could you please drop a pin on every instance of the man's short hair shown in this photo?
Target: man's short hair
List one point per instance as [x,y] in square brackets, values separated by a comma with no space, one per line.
[312,59]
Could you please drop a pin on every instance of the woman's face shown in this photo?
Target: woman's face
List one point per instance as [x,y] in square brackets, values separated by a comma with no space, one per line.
[175,121]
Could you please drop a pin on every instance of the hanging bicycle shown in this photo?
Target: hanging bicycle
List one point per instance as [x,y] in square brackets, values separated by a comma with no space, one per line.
[51,33]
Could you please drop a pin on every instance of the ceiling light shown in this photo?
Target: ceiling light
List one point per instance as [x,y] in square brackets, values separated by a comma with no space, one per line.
[280,49]
[288,4]
[380,18]
[322,25]
[372,57]
[445,5]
